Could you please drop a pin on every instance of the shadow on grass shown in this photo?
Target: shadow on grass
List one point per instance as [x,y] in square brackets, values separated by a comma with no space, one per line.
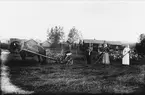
[18,63]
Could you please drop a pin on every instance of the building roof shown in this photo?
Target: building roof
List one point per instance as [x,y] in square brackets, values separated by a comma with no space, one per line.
[109,42]
[114,42]
[102,41]
[93,41]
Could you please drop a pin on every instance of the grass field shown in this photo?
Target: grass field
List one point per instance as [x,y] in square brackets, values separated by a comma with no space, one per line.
[78,78]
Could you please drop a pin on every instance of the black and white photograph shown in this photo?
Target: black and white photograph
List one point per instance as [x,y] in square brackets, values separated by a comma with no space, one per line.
[72,47]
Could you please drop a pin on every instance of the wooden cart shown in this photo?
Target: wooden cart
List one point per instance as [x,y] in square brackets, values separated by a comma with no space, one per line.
[32,48]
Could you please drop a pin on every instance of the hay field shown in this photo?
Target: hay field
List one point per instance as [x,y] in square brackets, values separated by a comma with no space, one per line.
[79,78]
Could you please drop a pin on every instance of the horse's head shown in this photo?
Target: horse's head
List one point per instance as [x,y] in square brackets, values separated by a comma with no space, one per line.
[15,45]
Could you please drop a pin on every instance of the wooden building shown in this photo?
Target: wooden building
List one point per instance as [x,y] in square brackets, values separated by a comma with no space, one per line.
[99,43]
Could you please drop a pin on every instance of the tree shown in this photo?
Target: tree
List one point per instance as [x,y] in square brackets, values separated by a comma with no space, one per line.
[142,40]
[142,37]
[140,47]
[55,35]
[74,36]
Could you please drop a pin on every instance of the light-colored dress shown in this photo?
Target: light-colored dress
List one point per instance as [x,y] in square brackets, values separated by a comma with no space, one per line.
[125,59]
[106,59]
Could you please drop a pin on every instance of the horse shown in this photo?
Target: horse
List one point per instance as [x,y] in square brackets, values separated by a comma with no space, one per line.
[14,47]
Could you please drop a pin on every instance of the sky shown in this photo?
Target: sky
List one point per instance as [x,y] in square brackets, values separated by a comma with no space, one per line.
[100,20]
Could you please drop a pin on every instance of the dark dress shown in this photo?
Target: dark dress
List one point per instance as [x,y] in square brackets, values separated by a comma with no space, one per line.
[89,57]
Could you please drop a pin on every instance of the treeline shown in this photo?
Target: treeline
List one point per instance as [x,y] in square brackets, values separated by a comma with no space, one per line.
[56,35]
[140,47]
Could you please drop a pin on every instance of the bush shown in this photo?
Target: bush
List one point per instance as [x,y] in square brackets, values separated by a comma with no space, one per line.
[4,46]
[118,55]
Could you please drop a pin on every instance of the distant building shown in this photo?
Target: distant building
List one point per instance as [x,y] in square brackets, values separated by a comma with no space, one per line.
[98,43]
[94,41]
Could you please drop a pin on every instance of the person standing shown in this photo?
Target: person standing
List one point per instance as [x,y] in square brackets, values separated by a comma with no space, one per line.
[99,57]
[125,59]
[88,54]
[0,50]
[105,59]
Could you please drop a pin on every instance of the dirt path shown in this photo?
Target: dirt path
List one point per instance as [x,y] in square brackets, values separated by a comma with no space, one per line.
[6,85]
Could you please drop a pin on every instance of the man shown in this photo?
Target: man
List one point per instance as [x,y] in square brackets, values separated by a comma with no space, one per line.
[125,59]
[88,54]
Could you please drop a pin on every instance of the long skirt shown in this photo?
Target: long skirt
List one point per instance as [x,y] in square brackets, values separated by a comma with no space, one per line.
[88,59]
[125,59]
[106,59]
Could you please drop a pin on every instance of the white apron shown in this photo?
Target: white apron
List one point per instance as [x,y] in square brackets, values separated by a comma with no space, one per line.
[125,59]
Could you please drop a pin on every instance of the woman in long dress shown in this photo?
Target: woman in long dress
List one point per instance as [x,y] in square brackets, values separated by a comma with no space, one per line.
[105,59]
[125,59]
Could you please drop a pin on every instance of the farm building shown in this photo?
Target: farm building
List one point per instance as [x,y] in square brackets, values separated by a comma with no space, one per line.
[98,44]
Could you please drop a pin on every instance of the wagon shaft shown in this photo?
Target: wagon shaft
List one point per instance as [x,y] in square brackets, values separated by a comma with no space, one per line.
[25,50]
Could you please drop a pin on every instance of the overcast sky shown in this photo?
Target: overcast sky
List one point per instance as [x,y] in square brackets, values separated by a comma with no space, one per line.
[102,20]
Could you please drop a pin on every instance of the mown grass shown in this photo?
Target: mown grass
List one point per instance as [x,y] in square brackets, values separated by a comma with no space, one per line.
[80,78]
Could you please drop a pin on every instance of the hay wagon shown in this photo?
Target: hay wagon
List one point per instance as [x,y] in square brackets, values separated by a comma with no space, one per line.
[32,48]
[29,48]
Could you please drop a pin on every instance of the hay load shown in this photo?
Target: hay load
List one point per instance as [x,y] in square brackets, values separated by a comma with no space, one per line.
[32,48]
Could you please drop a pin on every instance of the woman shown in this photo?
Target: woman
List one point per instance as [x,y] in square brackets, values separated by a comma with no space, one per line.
[106,59]
[125,59]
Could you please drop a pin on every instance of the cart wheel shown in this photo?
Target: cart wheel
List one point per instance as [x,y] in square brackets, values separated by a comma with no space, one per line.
[69,62]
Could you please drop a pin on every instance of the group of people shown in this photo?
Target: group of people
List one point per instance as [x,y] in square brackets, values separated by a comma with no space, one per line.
[103,57]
